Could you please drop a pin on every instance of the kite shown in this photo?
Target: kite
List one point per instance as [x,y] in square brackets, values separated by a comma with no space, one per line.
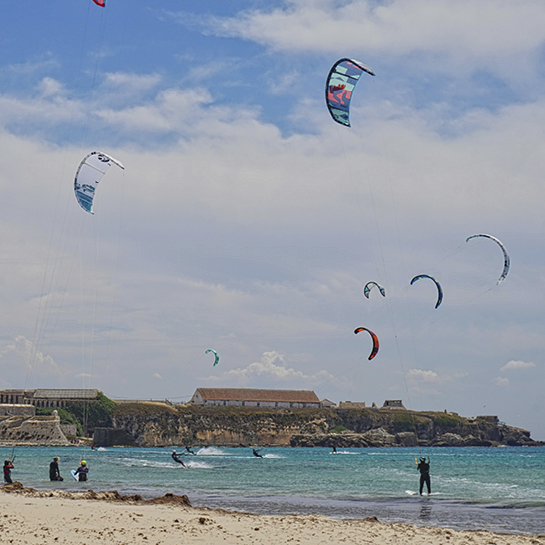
[375,341]
[89,173]
[439,289]
[506,259]
[340,84]
[216,356]
[367,288]
[101,3]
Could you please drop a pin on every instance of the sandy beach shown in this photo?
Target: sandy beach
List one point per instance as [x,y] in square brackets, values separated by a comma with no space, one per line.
[42,517]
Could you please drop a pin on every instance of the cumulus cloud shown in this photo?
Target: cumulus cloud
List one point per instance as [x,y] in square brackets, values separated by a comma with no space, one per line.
[424,376]
[478,28]
[272,365]
[518,364]
[157,375]
[501,382]
[21,360]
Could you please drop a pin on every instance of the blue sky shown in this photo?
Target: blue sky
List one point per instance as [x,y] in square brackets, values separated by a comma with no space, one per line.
[247,221]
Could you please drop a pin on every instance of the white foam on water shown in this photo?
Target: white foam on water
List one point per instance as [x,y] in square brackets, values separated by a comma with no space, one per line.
[211,451]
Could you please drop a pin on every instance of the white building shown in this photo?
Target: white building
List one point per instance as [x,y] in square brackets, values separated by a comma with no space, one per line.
[250,397]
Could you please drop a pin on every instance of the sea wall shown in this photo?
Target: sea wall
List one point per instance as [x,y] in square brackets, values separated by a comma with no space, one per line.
[31,431]
[156,424]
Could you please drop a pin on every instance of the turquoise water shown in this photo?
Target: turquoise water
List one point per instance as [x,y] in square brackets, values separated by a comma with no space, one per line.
[500,489]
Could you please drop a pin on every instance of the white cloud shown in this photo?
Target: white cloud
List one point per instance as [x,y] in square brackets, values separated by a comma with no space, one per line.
[501,382]
[424,376]
[157,376]
[136,82]
[21,361]
[460,30]
[518,364]
[272,365]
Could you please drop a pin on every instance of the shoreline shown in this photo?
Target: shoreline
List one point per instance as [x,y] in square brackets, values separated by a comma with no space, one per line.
[43,517]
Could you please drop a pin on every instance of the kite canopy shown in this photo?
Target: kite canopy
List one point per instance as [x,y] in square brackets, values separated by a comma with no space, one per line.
[101,3]
[506,259]
[340,84]
[367,288]
[439,289]
[216,356]
[375,340]
[89,173]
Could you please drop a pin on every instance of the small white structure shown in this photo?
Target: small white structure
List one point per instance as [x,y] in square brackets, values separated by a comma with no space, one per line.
[351,404]
[327,403]
[393,404]
[250,397]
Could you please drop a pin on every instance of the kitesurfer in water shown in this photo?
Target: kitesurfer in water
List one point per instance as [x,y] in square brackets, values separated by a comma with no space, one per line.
[82,471]
[8,466]
[54,473]
[189,451]
[424,468]
[256,453]
[176,459]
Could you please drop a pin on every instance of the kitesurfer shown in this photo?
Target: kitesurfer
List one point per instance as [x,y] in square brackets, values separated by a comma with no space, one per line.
[176,459]
[424,468]
[82,471]
[189,451]
[54,473]
[256,453]
[8,466]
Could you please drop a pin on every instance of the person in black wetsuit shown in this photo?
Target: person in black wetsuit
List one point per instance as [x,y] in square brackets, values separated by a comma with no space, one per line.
[424,468]
[54,473]
[82,471]
[189,451]
[256,453]
[8,466]
[176,459]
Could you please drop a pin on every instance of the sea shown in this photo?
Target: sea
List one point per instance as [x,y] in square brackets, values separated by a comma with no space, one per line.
[496,489]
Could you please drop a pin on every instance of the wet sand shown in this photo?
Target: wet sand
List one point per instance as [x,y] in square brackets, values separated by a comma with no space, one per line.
[35,517]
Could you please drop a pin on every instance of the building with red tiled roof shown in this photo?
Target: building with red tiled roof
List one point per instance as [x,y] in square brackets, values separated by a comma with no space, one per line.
[253,397]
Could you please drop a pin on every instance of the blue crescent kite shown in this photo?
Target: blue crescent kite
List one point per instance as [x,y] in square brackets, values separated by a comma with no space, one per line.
[439,289]
[506,260]
[89,173]
[367,288]
[216,356]
[340,84]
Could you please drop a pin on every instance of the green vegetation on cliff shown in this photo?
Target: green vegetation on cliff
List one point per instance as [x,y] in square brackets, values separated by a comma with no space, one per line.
[86,415]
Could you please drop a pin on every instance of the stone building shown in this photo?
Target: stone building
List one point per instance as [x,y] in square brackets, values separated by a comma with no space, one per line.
[47,397]
[251,397]
[393,404]
[351,404]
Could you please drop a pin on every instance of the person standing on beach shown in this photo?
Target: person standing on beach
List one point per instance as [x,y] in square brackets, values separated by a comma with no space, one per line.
[8,466]
[424,468]
[54,473]
[82,471]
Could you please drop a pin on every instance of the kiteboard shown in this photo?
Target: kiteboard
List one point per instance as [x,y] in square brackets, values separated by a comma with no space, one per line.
[74,474]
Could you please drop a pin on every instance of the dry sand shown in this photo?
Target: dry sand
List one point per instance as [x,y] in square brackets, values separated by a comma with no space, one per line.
[42,518]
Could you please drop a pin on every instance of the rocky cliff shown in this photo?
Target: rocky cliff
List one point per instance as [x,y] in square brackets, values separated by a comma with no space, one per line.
[155,424]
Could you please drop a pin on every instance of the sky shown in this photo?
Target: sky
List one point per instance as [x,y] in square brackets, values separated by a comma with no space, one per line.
[247,221]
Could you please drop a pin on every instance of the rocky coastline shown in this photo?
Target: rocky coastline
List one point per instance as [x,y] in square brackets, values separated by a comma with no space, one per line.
[153,424]
[160,425]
